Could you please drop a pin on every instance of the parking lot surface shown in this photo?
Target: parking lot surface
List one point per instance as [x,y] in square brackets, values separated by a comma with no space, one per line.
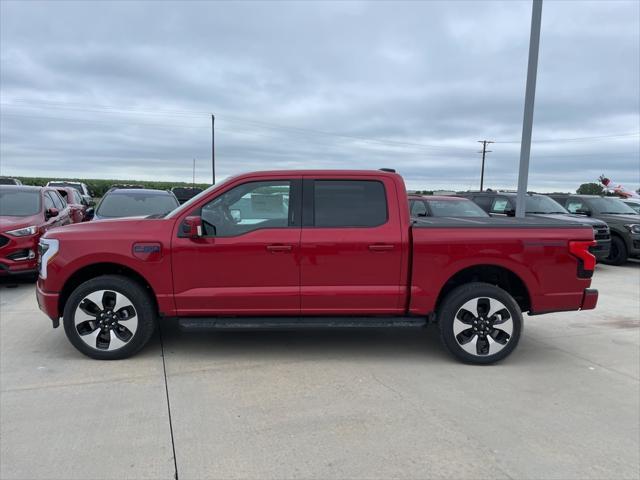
[326,404]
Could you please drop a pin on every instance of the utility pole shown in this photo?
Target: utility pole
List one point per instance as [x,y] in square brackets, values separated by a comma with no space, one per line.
[529,99]
[213,150]
[483,152]
[193,183]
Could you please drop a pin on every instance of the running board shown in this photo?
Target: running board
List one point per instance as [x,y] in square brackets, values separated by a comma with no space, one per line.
[274,323]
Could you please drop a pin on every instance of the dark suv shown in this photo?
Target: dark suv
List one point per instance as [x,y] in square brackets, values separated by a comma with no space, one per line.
[623,221]
[504,203]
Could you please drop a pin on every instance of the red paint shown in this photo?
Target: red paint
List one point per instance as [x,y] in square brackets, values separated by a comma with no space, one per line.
[391,269]
[13,244]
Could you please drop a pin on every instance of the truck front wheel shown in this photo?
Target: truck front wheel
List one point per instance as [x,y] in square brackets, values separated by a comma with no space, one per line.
[109,317]
[479,323]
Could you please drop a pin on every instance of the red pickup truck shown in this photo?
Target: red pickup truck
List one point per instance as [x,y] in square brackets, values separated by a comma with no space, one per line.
[299,249]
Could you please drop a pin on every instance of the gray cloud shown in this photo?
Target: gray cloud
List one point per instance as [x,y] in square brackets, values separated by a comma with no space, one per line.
[122,89]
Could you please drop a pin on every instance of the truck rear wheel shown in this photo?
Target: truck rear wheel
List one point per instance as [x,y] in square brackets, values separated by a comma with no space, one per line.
[109,317]
[479,323]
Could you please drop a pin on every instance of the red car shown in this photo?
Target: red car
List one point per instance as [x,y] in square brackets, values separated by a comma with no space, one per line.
[25,214]
[77,205]
[293,249]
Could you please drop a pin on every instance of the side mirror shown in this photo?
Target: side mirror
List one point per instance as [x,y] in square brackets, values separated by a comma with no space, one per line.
[52,212]
[236,215]
[89,213]
[583,211]
[192,227]
[510,212]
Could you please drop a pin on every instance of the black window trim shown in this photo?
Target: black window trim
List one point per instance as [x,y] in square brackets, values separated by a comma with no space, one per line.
[295,207]
[308,200]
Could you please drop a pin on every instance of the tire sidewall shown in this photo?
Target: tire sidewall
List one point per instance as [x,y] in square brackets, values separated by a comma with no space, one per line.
[141,302]
[621,250]
[458,297]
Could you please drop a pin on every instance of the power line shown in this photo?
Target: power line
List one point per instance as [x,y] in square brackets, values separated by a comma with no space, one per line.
[484,151]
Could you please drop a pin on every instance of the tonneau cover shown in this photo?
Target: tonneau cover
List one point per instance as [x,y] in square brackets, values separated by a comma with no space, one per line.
[493,222]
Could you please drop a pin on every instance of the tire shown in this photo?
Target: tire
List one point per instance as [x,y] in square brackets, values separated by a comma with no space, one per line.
[499,332]
[618,253]
[98,329]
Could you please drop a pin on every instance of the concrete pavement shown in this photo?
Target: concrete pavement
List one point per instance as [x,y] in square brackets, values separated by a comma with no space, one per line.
[328,404]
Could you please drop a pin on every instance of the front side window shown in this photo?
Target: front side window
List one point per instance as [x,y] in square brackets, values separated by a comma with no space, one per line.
[418,208]
[349,203]
[573,205]
[500,205]
[247,207]
[57,200]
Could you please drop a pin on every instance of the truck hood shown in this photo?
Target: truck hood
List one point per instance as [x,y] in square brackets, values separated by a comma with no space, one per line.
[571,218]
[135,228]
[620,218]
[13,223]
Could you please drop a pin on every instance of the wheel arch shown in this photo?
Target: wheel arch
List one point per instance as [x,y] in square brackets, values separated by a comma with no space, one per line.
[496,275]
[99,269]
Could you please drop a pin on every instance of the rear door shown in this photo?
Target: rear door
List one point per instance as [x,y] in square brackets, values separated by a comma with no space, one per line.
[351,247]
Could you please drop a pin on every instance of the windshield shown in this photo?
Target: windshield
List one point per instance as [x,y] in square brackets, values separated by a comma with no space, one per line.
[455,208]
[19,203]
[123,204]
[611,205]
[541,204]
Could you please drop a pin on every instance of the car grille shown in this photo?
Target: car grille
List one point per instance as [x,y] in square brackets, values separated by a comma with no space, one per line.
[601,232]
[3,241]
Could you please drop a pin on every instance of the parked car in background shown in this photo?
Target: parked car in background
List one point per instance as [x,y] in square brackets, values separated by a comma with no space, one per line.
[77,204]
[443,206]
[81,187]
[499,203]
[134,202]
[289,249]
[633,203]
[25,214]
[185,193]
[9,181]
[623,221]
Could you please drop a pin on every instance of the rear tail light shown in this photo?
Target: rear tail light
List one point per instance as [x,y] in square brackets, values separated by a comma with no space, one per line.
[586,261]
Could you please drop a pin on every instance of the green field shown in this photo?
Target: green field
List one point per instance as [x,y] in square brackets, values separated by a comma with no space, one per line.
[98,187]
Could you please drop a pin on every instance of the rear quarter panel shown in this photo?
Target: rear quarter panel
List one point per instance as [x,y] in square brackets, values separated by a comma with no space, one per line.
[539,256]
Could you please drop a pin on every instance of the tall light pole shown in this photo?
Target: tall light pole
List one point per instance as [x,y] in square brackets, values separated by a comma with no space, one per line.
[483,152]
[529,100]
[213,151]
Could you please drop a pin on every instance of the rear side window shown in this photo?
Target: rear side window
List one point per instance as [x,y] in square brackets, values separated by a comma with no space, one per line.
[349,203]
[484,202]
[418,208]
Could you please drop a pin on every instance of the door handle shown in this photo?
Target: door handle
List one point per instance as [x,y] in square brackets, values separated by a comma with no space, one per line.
[380,247]
[279,248]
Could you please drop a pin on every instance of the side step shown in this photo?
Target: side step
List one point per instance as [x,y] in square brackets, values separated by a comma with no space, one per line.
[274,323]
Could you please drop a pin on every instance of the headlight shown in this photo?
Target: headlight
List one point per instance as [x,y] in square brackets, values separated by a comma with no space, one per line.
[48,247]
[633,227]
[23,232]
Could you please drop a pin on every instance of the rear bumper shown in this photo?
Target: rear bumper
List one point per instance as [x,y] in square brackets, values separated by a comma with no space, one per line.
[48,303]
[589,299]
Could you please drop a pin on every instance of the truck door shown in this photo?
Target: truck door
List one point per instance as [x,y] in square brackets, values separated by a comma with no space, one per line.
[247,261]
[351,247]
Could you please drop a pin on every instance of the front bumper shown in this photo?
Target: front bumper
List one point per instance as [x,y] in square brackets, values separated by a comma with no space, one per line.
[634,249]
[15,254]
[48,303]
[589,299]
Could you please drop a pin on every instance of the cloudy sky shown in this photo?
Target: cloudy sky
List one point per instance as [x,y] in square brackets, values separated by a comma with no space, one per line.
[125,89]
